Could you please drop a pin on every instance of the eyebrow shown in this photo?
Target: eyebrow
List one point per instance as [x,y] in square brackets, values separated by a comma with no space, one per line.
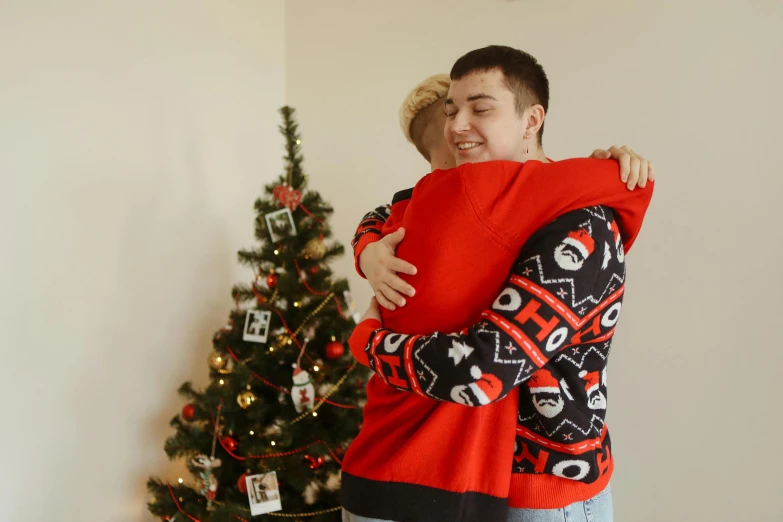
[474,97]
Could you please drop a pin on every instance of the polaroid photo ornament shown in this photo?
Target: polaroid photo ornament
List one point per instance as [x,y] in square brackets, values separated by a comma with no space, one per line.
[257,326]
[263,493]
[280,224]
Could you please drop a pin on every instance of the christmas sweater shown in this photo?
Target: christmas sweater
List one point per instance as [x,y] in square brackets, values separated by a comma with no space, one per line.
[419,459]
[549,328]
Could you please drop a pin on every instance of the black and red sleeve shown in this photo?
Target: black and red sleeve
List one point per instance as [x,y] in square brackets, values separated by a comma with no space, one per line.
[565,289]
[369,231]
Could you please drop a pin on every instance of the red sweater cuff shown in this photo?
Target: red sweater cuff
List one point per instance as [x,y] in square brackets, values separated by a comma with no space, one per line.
[365,240]
[360,338]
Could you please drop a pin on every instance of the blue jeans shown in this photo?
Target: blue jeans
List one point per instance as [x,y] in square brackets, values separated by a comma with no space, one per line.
[596,509]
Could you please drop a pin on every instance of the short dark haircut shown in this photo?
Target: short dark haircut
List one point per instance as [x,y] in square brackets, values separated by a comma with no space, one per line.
[524,76]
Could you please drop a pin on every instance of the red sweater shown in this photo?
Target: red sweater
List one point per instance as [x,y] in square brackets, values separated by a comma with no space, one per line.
[417,459]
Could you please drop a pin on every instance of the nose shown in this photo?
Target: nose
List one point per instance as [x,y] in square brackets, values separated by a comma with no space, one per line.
[461,122]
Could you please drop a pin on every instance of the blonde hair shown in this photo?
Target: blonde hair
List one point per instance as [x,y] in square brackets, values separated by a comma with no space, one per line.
[422,96]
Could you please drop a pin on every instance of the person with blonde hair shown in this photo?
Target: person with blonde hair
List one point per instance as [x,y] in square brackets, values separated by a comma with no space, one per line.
[422,120]
[495,243]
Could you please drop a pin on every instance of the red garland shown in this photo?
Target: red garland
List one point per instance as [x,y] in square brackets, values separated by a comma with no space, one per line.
[337,304]
[275,455]
[287,329]
[283,390]
[299,271]
[315,218]
[271,455]
[174,498]
[340,462]
[260,298]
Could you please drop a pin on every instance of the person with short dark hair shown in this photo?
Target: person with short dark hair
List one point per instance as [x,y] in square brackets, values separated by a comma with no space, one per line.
[519,364]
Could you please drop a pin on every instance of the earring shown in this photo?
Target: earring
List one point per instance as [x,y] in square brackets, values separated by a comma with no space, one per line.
[527,146]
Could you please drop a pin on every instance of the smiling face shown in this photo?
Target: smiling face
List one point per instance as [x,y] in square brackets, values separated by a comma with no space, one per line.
[482,122]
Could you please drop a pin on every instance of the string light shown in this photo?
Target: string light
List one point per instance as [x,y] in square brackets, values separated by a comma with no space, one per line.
[219,359]
[273,443]
[298,142]
[271,349]
[180,480]
[252,432]
[277,251]
[221,382]
[315,414]
[296,304]
[316,368]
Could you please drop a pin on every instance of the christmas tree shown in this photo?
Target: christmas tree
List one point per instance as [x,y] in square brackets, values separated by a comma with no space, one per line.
[284,400]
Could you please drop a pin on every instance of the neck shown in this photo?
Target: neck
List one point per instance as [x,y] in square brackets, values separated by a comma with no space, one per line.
[534,154]
[441,158]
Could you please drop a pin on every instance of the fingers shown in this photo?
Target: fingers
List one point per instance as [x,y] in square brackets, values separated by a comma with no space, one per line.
[400,266]
[644,172]
[635,166]
[392,295]
[396,283]
[392,240]
[624,159]
[634,169]
[601,154]
[384,302]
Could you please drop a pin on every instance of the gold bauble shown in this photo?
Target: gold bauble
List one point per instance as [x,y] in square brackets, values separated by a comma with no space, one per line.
[217,361]
[246,398]
[315,249]
[282,340]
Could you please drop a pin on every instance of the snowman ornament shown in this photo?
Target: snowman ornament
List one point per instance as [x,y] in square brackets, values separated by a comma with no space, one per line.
[303,392]
[207,483]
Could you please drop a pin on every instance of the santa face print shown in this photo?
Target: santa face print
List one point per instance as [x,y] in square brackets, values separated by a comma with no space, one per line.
[577,246]
[485,389]
[596,401]
[568,257]
[548,404]
[460,394]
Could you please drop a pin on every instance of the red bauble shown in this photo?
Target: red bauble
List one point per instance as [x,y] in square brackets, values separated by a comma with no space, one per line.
[315,269]
[271,281]
[230,443]
[334,350]
[314,462]
[242,484]
[189,412]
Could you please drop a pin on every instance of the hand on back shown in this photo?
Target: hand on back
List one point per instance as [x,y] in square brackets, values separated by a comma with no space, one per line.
[634,169]
[379,264]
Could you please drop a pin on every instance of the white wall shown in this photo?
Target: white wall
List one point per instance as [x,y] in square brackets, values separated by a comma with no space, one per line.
[134,138]
[693,85]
